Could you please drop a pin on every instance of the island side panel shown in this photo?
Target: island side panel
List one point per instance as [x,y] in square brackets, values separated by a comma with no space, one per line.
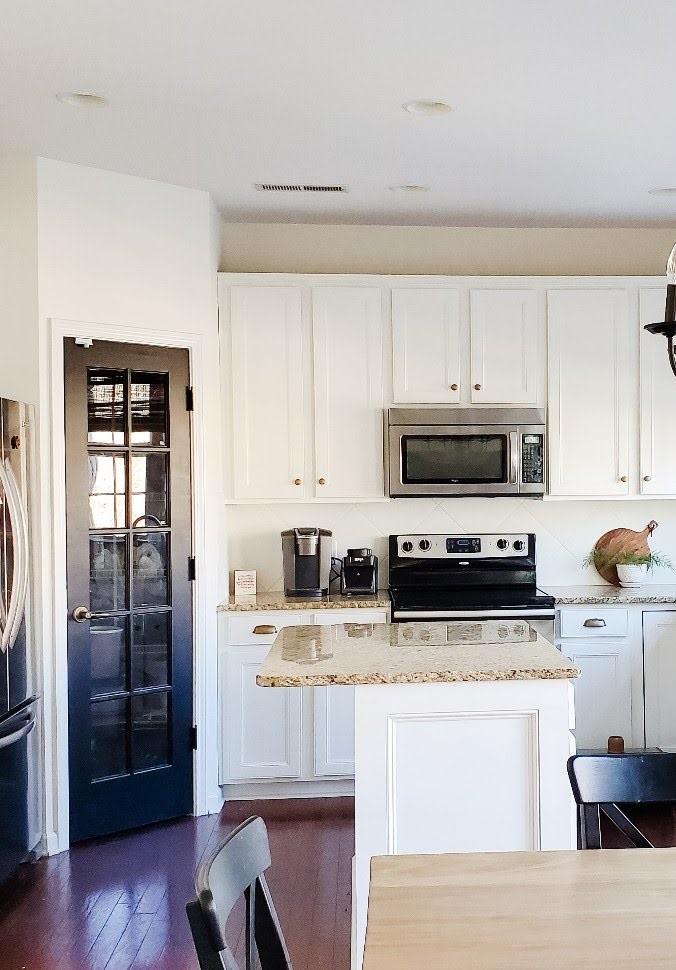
[459,767]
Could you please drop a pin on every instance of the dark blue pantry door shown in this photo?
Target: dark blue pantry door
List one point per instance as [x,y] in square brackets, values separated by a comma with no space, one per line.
[130,629]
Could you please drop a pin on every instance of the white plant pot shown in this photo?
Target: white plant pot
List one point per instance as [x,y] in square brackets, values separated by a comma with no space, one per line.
[632,576]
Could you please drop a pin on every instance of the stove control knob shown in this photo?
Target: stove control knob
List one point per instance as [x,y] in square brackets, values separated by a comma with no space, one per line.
[407,546]
[502,543]
[519,545]
[424,545]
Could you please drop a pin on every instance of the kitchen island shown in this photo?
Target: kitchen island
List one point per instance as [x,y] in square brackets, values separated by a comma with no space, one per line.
[462,732]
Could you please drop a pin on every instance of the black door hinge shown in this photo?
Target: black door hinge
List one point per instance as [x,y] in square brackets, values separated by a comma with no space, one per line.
[189,399]
[192,569]
[193,737]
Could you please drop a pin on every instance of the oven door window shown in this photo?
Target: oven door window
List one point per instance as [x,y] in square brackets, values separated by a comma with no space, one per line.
[454,459]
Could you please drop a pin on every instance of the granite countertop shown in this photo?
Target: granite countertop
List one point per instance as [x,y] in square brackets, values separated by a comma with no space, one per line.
[278,601]
[610,595]
[409,653]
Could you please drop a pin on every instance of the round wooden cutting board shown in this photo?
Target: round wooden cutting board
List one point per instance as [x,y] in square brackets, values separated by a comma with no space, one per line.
[620,542]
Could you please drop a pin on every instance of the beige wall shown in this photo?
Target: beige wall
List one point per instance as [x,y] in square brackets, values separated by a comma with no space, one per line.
[277,247]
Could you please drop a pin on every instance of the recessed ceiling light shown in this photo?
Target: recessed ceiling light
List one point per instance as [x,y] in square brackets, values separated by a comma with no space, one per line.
[425,107]
[82,99]
[410,187]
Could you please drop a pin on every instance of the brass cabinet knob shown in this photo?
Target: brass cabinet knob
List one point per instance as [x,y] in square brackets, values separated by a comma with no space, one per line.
[477,387]
[647,478]
[624,478]
[297,481]
[454,387]
[322,481]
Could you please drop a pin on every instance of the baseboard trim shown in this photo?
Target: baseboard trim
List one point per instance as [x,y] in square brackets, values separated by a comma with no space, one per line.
[251,790]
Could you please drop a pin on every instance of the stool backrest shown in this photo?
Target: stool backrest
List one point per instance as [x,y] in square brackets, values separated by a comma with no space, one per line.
[235,869]
[602,782]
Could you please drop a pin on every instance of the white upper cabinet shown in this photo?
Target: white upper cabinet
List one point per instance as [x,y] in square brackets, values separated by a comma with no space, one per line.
[348,391]
[267,392]
[589,392]
[505,346]
[426,346]
[657,472]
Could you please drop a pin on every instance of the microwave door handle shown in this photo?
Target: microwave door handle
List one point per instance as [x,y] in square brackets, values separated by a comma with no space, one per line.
[513,458]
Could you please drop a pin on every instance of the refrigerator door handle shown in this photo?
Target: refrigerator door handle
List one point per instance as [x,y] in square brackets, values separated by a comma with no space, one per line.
[9,739]
[17,514]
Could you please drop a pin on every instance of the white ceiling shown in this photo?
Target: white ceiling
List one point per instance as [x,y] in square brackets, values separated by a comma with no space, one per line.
[564,109]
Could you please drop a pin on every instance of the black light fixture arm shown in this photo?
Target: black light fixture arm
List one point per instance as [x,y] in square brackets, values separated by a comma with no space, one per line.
[668,327]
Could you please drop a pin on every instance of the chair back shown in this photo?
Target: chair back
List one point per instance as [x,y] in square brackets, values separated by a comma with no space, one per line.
[603,782]
[235,869]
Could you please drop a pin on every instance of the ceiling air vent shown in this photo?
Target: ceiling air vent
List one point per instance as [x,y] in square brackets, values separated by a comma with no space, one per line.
[279,187]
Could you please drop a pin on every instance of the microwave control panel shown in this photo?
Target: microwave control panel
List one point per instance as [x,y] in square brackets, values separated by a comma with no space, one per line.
[532,459]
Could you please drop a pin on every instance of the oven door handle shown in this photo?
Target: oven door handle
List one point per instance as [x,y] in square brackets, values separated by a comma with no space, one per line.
[514,461]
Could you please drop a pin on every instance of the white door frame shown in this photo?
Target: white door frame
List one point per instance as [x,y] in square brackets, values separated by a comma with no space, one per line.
[51,548]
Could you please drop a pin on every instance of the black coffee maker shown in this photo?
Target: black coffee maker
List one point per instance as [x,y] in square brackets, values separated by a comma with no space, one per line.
[359,574]
[306,555]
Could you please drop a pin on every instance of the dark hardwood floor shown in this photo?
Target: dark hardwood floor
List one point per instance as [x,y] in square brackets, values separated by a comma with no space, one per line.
[119,903]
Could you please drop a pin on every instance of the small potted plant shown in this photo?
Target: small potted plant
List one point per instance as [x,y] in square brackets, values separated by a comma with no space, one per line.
[632,567]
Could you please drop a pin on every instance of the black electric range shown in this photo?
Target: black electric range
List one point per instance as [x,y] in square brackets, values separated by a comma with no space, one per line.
[489,576]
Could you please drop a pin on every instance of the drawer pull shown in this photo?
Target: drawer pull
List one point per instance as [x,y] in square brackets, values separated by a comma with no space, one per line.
[265,629]
[595,621]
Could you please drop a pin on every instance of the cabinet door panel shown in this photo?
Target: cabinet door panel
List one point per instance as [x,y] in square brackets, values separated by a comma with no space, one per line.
[267,392]
[426,346]
[505,346]
[589,390]
[264,723]
[348,389]
[603,694]
[334,706]
[658,454]
[659,645]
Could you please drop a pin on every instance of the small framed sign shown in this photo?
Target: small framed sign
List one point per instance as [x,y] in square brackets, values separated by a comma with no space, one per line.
[245,582]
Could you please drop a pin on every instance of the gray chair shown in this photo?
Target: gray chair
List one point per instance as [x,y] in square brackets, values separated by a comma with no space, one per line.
[233,870]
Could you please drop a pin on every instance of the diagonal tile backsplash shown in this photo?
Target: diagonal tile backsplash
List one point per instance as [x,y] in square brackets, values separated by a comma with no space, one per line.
[565,531]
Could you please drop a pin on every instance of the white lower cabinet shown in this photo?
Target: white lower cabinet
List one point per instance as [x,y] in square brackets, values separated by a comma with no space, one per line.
[264,726]
[659,644]
[292,733]
[334,707]
[606,644]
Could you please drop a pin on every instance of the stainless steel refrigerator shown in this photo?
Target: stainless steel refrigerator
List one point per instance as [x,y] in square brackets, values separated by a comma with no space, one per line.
[17,701]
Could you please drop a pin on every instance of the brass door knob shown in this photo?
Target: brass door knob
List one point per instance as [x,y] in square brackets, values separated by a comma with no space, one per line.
[322,481]
[624,478]
[297,481]
[80,614]
[477,387]
[647,478]
[454,387]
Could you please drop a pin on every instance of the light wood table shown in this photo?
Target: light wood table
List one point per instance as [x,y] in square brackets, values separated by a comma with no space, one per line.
[598,909]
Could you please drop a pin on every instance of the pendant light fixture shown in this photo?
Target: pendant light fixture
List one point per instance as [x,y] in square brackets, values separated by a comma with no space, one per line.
[668,327]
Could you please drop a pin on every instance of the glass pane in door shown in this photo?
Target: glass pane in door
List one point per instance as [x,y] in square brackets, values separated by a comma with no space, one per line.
[107,573]
[149,485]
[106,406]
[109,738]
[150,730]
[109,655]
[150,574]
[149,409]
[107,491]
[150,658]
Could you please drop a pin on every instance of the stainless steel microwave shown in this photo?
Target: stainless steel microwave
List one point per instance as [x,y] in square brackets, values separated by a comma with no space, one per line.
[466,451]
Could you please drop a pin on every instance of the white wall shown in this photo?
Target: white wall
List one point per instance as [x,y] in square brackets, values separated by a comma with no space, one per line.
[140,256]
[566,531]
[18,279]
[276,247]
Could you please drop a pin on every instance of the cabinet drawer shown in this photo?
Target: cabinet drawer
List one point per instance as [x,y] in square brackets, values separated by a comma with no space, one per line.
[594,622]
[243,628]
